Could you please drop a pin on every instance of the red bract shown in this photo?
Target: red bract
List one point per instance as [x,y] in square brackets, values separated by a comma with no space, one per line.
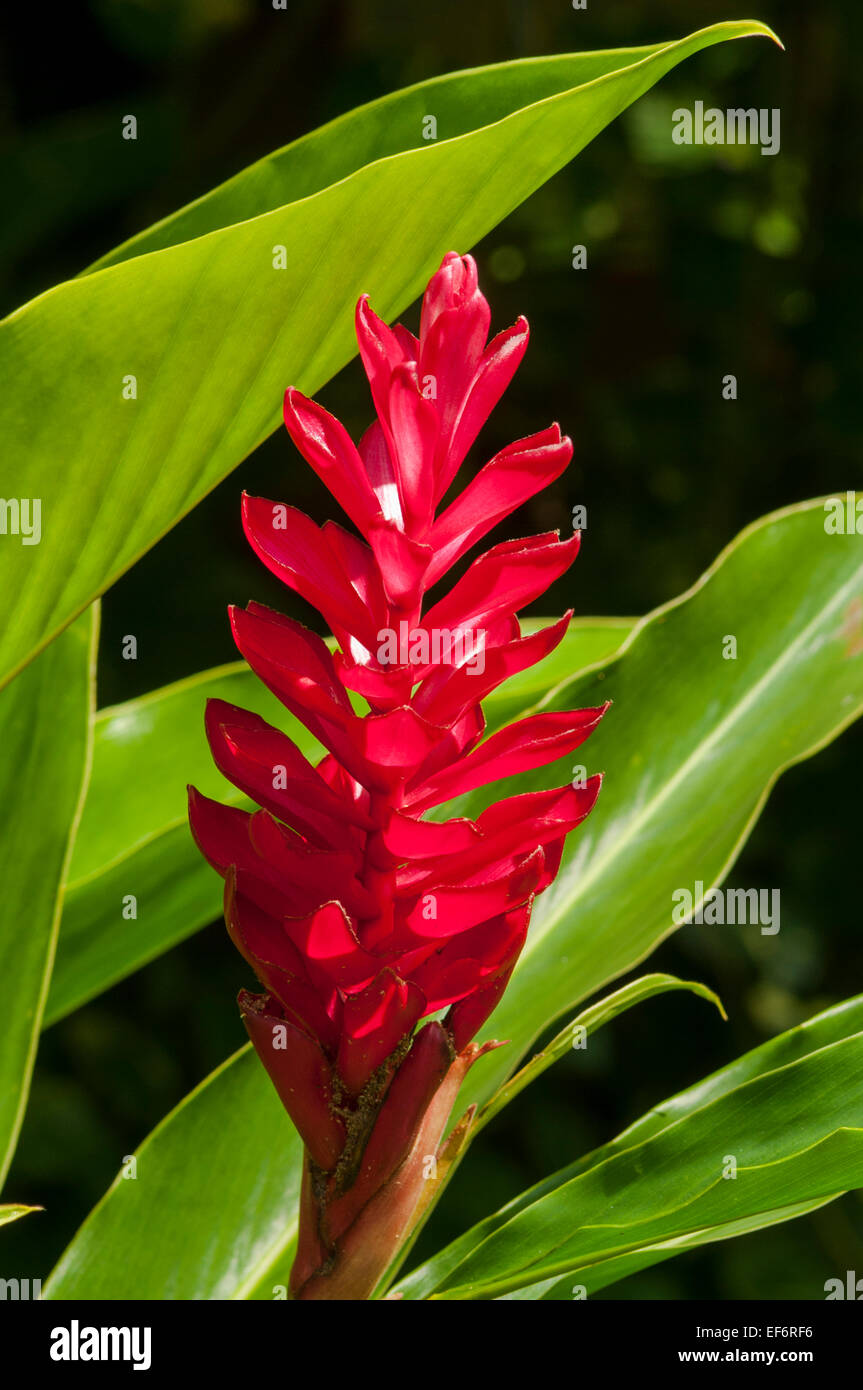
[359,917]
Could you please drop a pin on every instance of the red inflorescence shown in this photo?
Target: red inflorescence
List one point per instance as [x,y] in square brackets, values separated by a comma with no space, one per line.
[358,916]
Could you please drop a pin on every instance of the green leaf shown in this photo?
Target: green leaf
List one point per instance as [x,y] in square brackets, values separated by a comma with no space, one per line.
[134,837]
[590,1279]
[787,1112]
[691,748]
[591,1020]
[45,734]
[211,1211]
[462,102]
[621,1209]
[213,333]
[11,1212]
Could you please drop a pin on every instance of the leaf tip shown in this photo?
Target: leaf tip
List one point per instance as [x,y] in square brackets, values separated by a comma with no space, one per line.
[764,31]
[714,999]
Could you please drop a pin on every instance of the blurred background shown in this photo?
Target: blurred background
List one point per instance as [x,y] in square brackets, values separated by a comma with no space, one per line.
[701,261]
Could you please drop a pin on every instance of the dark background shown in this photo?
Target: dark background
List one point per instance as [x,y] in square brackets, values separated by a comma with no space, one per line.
[701,262]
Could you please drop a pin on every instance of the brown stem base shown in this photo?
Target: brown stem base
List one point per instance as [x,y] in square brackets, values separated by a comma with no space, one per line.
[351,1265]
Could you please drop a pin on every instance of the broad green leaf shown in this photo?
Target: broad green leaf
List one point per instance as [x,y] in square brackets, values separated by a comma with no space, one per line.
[134,837]
[210,1210]
[795,1135]
[212,331]
[834,1025]
[590,1279]
[621,1209]
[11,1212]
[691,747]
[462,102]
[45,735]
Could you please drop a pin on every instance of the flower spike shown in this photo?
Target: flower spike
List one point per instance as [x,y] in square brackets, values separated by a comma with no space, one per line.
[359,917]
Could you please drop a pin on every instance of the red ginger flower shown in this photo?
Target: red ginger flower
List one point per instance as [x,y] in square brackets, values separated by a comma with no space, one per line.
[358,917]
